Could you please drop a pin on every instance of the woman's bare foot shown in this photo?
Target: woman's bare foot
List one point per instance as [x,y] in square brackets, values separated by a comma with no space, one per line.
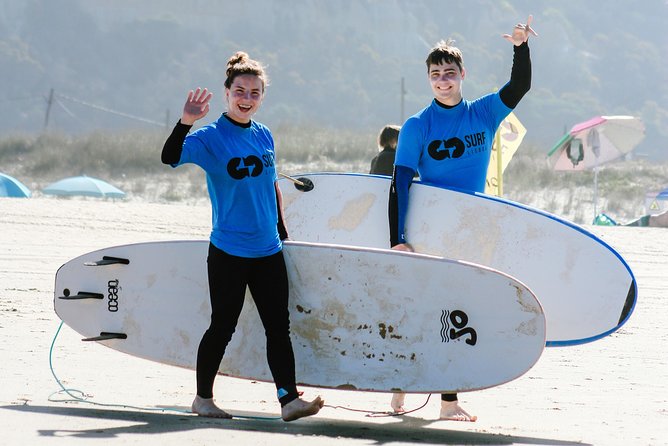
[205,407]
[299,408]
[397,402]
[450,410]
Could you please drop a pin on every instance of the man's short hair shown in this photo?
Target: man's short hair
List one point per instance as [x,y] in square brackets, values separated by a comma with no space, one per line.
[445,51]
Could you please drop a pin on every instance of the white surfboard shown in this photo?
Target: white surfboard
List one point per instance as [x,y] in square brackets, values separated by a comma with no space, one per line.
[586,288]
[363,319]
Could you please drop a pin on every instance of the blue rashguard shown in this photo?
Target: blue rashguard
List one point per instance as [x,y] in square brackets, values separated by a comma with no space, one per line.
[451,146]
[240,176]
[447,146]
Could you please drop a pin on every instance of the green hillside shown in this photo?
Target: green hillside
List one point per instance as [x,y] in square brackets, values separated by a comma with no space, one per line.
[125,65]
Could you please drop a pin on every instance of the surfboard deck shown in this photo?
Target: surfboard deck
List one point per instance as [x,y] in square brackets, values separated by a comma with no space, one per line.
[362,319]
[586,288]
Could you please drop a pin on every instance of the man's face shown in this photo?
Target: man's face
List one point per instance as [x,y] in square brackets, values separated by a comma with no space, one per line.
[446,82]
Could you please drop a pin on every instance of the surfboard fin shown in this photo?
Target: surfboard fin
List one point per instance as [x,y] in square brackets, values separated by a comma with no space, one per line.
[109,260]
[105,335]
[305,186]
[302,183]
[82,295]
[628,304]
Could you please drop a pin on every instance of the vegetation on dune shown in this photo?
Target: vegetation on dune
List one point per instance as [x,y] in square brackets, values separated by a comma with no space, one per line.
[82,65]
[131,160]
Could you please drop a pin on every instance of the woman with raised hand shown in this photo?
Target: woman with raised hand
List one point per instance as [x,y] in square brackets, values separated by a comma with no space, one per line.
[245,250]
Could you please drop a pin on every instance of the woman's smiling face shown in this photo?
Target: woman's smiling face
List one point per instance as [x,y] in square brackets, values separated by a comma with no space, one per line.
[244,97]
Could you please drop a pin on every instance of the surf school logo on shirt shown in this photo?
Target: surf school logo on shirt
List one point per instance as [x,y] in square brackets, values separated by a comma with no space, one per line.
[240,168]
[249,166]
[455,147]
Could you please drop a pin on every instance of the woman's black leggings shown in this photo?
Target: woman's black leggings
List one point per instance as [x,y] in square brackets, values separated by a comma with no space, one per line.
[267,279]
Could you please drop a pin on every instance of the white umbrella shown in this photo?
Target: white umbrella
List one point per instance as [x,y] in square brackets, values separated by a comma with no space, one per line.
[83,185]
[595,142]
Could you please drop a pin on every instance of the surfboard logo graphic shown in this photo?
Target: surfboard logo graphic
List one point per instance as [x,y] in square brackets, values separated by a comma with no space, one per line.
[445,325]
[459,321]
[112,295]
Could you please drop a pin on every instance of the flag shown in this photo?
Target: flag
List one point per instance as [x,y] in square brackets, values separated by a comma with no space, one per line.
[508,136]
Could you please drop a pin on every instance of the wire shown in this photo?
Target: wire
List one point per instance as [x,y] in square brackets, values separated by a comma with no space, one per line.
[21,98]
[67,110]
[108,110]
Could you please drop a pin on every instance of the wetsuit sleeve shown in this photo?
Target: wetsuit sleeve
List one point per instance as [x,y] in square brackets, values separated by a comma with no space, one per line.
[282,230]
[398,203]
[171,151]
[520,77]
[280,226]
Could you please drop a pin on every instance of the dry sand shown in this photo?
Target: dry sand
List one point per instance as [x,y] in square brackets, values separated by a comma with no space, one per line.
[613,391]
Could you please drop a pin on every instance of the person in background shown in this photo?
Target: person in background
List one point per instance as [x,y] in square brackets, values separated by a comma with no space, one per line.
[449,142]
[245,250]
[383,162]
[659,220]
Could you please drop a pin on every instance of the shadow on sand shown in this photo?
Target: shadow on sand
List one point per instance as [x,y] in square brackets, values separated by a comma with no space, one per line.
[407,430]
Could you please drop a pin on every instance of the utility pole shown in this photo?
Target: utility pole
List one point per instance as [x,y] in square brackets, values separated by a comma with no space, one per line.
[49,103]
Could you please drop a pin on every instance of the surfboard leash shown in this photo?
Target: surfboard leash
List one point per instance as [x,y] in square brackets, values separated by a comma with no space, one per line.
[380,414]
[76,395]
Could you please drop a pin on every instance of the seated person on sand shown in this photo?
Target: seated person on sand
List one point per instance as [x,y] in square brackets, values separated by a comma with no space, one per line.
[654,221]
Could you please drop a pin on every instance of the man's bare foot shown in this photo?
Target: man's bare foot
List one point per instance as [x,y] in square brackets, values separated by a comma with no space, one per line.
[299,408]
[205,407]
[397,402]
[450,410]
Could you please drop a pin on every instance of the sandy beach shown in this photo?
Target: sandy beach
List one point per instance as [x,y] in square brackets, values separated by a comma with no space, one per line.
[610,392]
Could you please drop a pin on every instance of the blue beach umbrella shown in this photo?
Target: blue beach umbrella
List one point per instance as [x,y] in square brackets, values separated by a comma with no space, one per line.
[11,187]
[85,186]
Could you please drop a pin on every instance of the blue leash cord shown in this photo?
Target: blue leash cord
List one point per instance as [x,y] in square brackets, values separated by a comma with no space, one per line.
[82,399]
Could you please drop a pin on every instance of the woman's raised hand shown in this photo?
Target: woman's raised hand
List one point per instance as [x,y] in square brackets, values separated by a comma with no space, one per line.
[197,106]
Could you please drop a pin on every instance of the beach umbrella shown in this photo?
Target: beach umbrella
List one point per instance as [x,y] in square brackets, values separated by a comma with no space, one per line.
[11,187]
[83,185]
[595,142]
